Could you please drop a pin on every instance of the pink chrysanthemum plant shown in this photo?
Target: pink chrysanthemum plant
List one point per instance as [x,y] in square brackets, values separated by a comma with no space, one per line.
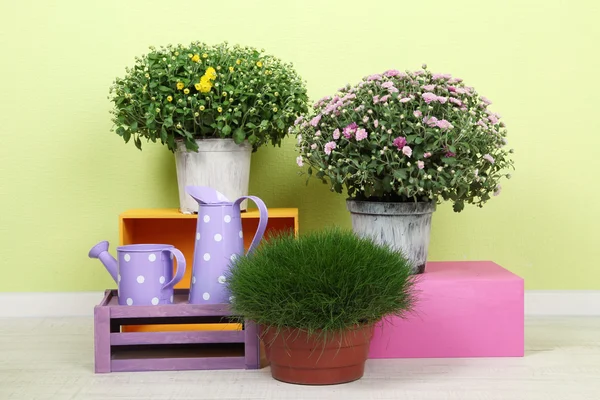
[406,136]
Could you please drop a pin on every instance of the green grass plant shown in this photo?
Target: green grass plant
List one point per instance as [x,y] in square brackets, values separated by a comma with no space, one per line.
[325,281]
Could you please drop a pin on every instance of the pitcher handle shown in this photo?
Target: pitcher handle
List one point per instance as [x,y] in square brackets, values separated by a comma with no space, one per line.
[262,222]
[180,268]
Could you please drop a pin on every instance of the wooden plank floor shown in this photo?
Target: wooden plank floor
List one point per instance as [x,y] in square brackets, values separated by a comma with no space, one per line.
[53,359]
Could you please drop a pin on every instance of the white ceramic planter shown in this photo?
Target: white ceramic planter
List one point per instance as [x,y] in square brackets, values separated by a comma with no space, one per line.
[218,163]
[403,226]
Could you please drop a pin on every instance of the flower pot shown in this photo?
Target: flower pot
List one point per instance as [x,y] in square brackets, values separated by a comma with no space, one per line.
[403,226]
[299,358]
[219,163]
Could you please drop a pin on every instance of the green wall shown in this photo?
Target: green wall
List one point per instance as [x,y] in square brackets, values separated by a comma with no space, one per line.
[65,177]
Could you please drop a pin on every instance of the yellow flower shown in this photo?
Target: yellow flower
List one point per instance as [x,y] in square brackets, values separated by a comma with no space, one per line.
[197,86]
[231,69]
[196,58]
[201,108]
[169,99]
[238,61]
[190,55]
[205,84]
[211,73]
[224,94]
[204,55]
[180,85]
[220,109]
[186,91]
[259,64]
[274,109]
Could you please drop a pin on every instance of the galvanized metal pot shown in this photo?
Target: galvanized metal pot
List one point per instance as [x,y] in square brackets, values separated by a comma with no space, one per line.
[219,163]
[404,226]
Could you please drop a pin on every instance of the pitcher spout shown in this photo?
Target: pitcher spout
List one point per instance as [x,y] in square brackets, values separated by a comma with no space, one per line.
[100,251]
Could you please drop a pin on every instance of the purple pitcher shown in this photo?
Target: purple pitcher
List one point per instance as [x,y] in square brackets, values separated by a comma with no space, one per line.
[219,240]
[143,272]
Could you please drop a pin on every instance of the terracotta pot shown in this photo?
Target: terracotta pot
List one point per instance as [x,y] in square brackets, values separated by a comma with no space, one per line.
[297,357]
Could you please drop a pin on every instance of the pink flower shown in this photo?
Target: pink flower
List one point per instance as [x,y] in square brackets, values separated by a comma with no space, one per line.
[313,146]
[392,72]
[375,99]
[365,118]
[420,164]
[442,99]
[329,146]
[417,113]
[427,155]
[461,91]
[315,121]
[441,76]
[336,134]
[299,161]
[349,130]
[298,120]
[498,190]
[429,97]
[385,98]
[444,125]
[407,151]
[393,90]
[431,121]
[455,101]
[375,77]
[387,85]
[405,100]
[428,88]
[488,158]
[399,142]
[318,133]
[493,119]
[485,101]
[451,89]
[361,134]
[376,123]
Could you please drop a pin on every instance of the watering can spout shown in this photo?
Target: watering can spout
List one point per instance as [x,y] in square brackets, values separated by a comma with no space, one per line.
[100,251]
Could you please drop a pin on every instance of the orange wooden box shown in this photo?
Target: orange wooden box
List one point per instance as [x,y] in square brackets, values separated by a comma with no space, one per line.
[170,226]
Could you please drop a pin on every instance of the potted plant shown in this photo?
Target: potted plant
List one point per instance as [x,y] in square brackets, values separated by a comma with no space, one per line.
[212,105]
[316,299]
[400,143]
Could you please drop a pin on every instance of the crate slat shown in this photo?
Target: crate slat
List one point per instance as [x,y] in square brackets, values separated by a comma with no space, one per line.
[177,364]
[132,338]
[171,310]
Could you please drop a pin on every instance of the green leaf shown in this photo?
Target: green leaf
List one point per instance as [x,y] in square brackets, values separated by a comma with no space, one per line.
[133,127]
[165,89]
[163,134]
[400,174]
[458,206]
[120,131]
[280,124]
[138,142]
[449,160]
[126,136]
[226,130]
[239,136]
[168,122]
[250,125]
[252,139]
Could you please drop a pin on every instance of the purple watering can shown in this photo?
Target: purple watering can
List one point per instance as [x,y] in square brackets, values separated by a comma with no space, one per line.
[219,240]
[143,272]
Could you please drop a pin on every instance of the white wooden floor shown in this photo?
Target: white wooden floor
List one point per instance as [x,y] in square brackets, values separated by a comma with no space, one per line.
[53,359]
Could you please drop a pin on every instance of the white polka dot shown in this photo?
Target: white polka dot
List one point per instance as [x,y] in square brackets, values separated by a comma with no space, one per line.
[171,298]
[227,218]
[194,280]
[241,234]
[130,301]
[161,279]
[152,257]
[127,257]
[206,296]
[206,218]
[198,236]
[231,298]
[221,279]
[119,277]
[155,301]
[141,279]
[206,256]
[218,237]
[233,257]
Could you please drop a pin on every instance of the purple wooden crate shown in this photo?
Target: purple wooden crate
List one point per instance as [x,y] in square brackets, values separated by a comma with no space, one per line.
[117,351]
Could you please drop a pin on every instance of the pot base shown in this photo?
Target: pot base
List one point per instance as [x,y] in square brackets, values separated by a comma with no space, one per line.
[298,358]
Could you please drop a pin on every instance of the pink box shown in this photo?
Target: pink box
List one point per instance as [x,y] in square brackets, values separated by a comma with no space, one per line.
[464,309]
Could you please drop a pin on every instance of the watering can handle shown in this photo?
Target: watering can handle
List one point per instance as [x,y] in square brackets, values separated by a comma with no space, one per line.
[262,223]
[180,267]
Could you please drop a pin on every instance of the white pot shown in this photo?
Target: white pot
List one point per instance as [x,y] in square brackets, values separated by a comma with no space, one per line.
[219,163]
[402,226]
